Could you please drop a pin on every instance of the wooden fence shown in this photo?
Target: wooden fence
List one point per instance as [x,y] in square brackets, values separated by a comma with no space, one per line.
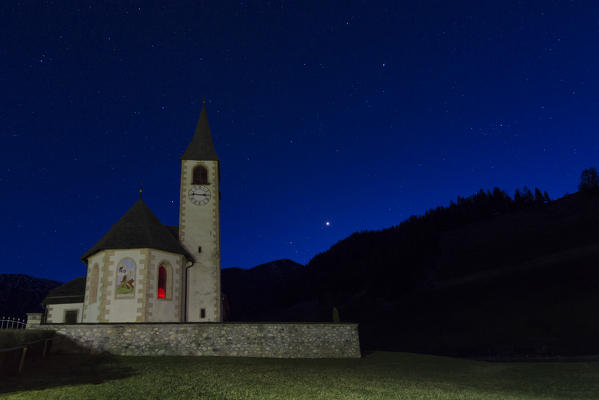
[12,360]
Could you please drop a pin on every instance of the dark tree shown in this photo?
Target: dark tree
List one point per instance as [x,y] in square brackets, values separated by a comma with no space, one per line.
[518,197]
[589,180]
[539,198]
[527,196]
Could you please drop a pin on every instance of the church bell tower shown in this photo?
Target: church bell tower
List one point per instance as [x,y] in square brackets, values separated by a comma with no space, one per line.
[199,224]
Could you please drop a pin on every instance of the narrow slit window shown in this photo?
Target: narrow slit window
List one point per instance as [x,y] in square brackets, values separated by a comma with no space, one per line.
[200,175]
[161,282]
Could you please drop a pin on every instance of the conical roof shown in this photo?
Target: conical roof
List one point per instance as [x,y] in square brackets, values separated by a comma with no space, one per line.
[201,146]
[139,228]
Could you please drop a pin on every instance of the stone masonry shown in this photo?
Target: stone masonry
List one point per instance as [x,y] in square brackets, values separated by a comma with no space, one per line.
[274,340]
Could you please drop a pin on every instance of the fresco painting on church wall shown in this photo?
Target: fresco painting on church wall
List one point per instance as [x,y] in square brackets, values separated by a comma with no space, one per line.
[125,283]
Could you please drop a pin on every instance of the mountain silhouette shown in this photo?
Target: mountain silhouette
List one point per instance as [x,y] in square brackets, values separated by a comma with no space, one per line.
[20,294]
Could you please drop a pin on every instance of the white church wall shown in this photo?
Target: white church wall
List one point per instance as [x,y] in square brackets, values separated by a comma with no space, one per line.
[55,313]
[167,309]
[118,306]
[199,226]
[91,306]
[142,304]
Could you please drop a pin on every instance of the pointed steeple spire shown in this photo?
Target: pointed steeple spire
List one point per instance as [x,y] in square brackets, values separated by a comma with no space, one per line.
[201,146]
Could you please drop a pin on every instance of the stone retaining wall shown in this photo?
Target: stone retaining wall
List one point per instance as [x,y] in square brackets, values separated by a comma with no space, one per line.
[279,340]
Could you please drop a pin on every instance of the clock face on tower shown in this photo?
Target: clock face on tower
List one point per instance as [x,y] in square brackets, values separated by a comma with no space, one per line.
[199,194]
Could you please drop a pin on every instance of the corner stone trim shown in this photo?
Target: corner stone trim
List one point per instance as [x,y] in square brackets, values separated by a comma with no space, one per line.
[273,340]
[107,282]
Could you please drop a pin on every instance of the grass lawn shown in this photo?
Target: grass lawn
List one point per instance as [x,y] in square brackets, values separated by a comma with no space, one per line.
[379,375]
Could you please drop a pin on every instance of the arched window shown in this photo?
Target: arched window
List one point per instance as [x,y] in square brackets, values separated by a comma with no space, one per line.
[164,281]
[200,175]
[161,282]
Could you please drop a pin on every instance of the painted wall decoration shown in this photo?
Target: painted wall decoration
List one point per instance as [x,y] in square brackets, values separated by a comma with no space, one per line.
[125,283]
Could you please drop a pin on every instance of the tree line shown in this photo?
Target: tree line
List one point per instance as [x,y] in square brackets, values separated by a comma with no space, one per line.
[390,262]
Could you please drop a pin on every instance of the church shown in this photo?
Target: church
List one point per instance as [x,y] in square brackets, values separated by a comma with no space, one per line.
[144,271]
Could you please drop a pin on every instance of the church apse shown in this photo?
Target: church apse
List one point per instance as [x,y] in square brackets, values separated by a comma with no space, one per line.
[144,271]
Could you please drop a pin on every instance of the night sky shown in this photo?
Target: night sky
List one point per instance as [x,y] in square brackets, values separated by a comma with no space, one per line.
[328,117]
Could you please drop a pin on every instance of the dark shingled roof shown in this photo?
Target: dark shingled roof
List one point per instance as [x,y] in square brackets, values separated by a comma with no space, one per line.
[70,292]
[174,230]
[139,228]
[201,146]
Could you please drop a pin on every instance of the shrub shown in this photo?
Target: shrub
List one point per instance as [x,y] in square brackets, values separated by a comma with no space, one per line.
[589,180]
[336,315]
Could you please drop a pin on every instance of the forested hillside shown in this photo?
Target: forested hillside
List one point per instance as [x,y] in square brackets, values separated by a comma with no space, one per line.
[489,275]
[423,250]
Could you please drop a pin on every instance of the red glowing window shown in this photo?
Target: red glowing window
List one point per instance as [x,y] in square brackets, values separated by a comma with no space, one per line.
[161,282]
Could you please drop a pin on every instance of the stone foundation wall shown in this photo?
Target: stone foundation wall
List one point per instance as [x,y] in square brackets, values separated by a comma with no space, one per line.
[277,340]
